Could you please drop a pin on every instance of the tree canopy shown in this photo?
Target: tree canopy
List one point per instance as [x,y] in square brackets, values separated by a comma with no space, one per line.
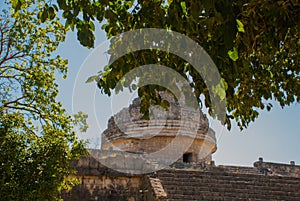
[255,45]
[37,138]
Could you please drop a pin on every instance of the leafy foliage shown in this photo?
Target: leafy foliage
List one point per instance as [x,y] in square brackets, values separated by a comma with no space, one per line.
[254,43]
[37,138]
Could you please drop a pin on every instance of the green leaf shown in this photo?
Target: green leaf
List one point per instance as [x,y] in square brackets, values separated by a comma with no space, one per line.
[51,13]
[183,6]
[133,86]
[16,4]
[233,54]
[240,26]
[224,84]
[92,79]
[44,15]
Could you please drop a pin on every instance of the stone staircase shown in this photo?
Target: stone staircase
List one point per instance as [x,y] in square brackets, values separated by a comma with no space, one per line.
[208,185]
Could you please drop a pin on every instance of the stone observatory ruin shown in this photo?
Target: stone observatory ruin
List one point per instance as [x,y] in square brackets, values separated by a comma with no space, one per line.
[180,134]
[168,158]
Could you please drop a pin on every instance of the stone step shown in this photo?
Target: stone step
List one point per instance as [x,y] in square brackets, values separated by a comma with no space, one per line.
[196,185]
[234,182]
[229,196]
[237,188]
[232,178]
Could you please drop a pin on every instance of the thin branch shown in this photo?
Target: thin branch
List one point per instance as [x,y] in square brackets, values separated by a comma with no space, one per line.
[25,108]
[15,101]
[12,67]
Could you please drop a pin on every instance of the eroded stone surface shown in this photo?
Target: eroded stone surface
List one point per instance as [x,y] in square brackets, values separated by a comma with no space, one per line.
[202,182]
[168,133]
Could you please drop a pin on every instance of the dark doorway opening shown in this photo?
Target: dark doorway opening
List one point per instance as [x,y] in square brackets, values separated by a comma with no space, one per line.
[187,157]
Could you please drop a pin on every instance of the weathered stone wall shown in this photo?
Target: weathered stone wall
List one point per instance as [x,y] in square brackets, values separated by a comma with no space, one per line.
[105,188]
[98,182]
[259,168]
[176,111]
[176,117]
[168,146]
[127,162]
[291,169]
[264,181]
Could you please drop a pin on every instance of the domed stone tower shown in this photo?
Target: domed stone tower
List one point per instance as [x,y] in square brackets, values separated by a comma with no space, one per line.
[179,134]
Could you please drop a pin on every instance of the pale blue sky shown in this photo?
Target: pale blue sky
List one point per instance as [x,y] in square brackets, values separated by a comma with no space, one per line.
[275,135]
